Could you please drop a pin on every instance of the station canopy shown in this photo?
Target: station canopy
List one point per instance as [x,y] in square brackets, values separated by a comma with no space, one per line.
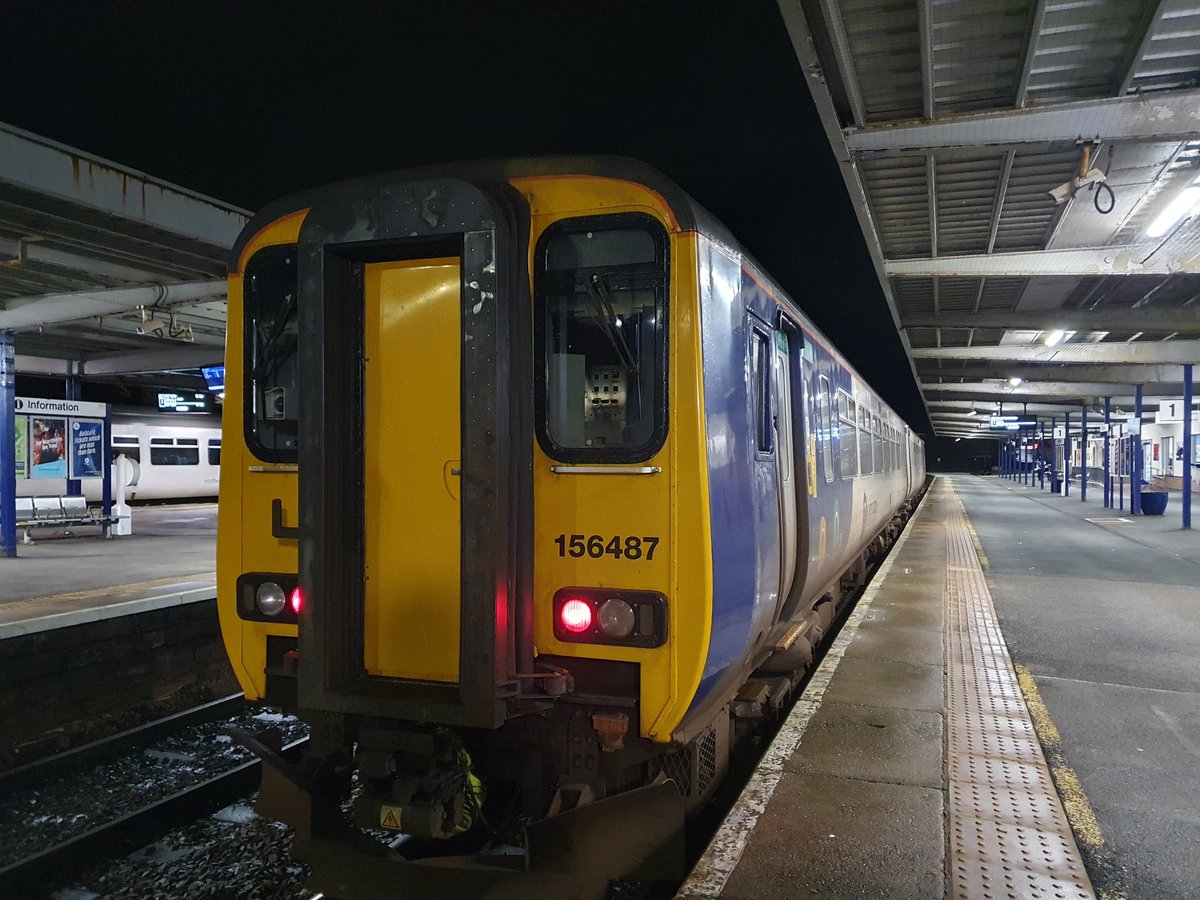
[1027,176]
[105,271]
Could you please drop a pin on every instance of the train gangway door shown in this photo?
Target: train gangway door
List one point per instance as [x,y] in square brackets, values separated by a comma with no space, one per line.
[784,468]
[412,461]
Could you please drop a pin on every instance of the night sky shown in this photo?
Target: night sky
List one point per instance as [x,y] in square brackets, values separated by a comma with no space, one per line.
[248,101]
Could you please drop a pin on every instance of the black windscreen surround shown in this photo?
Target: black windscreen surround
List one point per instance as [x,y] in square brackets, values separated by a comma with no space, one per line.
[270,295]
[601,334]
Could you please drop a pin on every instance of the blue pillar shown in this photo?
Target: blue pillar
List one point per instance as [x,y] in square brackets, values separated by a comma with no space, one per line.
[1042,453]
[1107,457]
[8,446]
[1026,456]
[1135,464]
[1187,446]
[1000,458]
[106,465]
[1083,466]
[1052,459]
[1067,455]
[73,390]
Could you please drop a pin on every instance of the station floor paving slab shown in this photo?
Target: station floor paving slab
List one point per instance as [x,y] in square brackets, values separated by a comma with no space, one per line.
[1104,615]
[910,767]
[62,580]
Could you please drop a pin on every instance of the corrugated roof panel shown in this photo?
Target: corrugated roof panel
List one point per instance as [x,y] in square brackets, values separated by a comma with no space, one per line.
[899,196]
[1028,209]
[884,42]
[1082,48]
[1171,58]
[977,53]
[957,295]
[966,193]
[914,296]
[1002,293]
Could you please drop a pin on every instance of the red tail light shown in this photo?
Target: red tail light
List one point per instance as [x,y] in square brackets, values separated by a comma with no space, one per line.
[576,616]
[297,600]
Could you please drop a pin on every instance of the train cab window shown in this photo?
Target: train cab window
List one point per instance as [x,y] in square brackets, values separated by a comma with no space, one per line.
[825,426]
[214,452]
[174,452]
[601,335]
[847,436]
[270,294]
[126,446]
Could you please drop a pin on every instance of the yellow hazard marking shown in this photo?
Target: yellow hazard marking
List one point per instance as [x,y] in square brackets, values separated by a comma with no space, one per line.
[389,817]
[110,590]
[1075,801]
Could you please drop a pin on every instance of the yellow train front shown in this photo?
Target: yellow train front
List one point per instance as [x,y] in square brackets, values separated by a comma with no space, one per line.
[471,504]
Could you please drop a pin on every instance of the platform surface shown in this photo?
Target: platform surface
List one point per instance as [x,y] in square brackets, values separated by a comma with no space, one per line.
[65,580]
[910,767]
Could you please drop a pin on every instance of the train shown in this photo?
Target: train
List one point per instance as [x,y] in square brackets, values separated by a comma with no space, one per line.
[539,493]
[178,457]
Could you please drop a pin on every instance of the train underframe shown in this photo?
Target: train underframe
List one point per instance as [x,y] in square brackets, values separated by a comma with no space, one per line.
[542,806]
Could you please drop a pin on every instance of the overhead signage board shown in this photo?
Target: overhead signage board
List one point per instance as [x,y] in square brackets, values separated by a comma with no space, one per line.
[37,405]
[214,377]
[183,401]
[1002,422]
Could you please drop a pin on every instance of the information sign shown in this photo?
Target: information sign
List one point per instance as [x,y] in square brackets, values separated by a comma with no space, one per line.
[36,406]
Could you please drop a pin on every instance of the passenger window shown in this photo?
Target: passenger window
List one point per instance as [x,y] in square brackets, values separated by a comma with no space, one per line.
[270,294]
[825,426]
[214,452]
[877,441]
[760,391]
[601,332]
[864,441]
[126,446]
[166,452]
[847,437]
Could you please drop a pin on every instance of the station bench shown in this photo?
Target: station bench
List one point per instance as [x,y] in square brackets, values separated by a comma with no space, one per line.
[57,512]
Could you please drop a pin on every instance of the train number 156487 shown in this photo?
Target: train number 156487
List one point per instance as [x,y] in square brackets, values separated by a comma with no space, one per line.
[596,546]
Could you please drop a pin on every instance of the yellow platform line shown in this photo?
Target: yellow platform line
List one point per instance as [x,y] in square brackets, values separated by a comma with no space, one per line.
[111,589]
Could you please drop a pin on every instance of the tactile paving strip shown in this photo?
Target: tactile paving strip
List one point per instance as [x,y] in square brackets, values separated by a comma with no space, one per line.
[1009,836]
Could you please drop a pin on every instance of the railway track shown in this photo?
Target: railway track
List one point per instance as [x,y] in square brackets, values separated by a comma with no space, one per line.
[68,854]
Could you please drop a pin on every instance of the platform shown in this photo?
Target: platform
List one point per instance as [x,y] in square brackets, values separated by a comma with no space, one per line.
[918,763]
[60,581]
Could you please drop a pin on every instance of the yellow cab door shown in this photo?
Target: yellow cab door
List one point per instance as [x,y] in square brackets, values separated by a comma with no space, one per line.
[412,429]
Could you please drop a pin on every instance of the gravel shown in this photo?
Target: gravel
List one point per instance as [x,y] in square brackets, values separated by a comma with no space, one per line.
[234,853]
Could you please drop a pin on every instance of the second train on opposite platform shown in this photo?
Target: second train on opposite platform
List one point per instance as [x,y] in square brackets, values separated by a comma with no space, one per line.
[582,489]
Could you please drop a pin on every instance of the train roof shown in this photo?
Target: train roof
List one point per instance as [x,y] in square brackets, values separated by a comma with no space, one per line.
[690,214]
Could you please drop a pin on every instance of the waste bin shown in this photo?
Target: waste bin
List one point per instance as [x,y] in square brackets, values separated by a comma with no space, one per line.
[1154,503]
[1055,484]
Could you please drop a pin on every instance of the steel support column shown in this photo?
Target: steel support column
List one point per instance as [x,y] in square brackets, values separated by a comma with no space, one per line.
[1187,446]
[1042,454]
[73,388]
[1083,466]
[1107,457]
[1135,464]
[8,446]
[1067,455]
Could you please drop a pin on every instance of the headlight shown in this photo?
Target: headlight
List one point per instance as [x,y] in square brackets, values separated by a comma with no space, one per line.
[270,598]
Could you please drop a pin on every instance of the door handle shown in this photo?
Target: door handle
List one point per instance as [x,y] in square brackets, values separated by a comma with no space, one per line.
[278,529]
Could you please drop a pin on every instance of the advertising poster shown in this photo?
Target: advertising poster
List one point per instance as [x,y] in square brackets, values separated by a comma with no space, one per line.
[48,447]
[86,448]
[22,446]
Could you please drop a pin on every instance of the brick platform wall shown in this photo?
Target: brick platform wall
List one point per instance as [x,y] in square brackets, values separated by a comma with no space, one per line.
[66,686]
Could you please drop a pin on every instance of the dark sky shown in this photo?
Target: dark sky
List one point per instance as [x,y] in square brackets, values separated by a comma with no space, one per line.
[247,101]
